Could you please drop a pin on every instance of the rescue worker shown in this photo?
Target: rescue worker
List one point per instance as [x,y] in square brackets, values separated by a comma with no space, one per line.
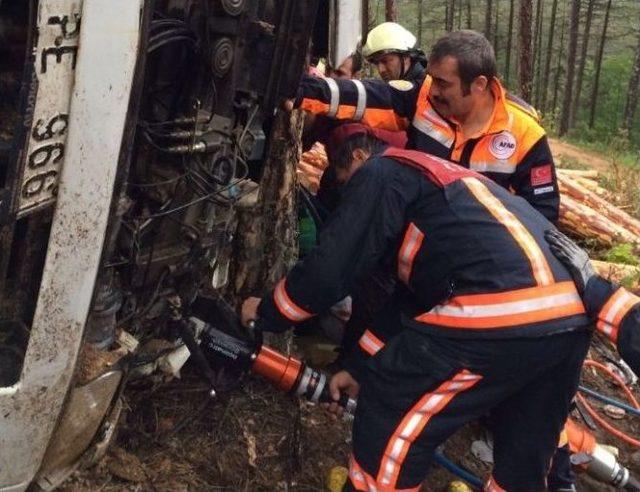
[350,68]
[485,320]
[615,310]
[392,49]
[461,112]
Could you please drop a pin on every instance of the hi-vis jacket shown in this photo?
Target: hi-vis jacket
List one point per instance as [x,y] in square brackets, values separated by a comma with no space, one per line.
[617,315]
[513,149]
[471,258]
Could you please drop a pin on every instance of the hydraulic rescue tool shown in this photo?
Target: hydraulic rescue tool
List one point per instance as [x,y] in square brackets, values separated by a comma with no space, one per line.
[246,352]
[597,460]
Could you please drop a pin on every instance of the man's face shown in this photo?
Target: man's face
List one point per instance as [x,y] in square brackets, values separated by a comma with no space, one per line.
[345,70]
[447,93]
[390,65]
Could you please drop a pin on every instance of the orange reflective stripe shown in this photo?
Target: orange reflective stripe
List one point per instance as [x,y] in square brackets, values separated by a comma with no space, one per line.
[541,271]
[361,480]
[416,420]
[286,306]
[492,486]
[314,106]
[506,309]
[612,313]
[370,343]
[386,119]
[410,245]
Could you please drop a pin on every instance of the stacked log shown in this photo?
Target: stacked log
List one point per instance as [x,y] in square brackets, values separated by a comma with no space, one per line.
[311,166]
[586,213]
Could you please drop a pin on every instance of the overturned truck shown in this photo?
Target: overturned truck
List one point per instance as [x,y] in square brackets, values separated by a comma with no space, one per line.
[131,132]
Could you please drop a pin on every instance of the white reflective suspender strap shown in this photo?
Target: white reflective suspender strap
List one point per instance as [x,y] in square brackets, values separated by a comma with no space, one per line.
[362,100]
[335,97]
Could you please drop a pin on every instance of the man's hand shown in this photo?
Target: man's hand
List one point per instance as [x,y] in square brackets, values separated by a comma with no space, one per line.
[341,382]
[249,311]
[572,257]
[288,104]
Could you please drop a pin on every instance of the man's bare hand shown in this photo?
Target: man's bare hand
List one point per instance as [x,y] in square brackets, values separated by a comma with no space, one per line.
[249,311]
[288,105]
[341,382]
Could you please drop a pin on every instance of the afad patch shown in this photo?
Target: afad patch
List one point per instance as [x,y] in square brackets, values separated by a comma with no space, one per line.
[401,85]
[503,145]
[541,175]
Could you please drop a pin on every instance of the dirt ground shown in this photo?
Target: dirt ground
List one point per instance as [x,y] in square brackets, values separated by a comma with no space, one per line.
[561,150]
[174,437]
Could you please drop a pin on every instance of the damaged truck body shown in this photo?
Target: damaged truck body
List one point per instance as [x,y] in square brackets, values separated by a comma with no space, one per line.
[131,132]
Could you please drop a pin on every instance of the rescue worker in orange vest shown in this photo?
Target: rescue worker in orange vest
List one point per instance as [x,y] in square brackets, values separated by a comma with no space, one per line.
[460,112]
[392,49]
[615,310]
[485,319]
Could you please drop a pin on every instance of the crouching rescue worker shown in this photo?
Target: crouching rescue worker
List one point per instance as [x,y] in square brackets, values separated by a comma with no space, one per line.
[615,310]
[485,319]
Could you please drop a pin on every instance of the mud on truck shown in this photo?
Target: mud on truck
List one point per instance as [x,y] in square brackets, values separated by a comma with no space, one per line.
[131,131]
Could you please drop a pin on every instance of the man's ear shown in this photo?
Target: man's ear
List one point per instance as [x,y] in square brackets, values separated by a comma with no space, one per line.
[359,155]
[480,83]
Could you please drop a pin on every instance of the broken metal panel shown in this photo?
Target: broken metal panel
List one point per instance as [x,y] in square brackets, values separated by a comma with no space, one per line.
[30,409]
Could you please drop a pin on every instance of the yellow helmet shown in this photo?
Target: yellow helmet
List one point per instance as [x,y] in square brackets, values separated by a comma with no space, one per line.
[388,37]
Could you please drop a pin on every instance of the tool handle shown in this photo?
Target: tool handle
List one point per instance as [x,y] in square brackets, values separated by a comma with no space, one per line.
[345,401]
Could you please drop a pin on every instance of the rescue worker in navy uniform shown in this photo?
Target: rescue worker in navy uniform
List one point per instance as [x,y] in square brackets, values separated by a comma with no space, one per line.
[393,51]
[460,112]
[485,319]
[615,310]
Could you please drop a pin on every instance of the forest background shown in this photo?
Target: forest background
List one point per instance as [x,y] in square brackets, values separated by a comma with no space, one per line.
[576,61]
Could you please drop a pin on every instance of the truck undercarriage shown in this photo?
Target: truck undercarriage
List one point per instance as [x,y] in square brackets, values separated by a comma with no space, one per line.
[131,132]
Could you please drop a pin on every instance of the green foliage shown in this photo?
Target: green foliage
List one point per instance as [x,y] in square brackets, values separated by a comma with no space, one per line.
[622,253]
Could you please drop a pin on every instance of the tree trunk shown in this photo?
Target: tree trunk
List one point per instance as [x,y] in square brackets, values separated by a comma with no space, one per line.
[451,7]
[365,20]
[487,20]
[598,66]
[524,39]
[537,54]
[265,244]
[390,12]
[420,23]
[571,67]
[496,21]
[632,92]
[507,64]
[468,14]
[547,61]
[459,13]
[582,63]
[559,55]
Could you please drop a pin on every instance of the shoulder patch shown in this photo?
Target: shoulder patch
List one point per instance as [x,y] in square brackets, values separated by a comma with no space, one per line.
[401,85]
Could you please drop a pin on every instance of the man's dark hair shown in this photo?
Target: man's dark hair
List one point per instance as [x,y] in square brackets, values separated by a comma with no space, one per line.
[473,51]
[342,155]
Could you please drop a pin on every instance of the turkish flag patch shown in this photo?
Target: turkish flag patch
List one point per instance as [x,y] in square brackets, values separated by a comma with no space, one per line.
[541,175]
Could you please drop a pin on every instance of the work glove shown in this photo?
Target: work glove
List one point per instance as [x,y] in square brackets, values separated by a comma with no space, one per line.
[574,258]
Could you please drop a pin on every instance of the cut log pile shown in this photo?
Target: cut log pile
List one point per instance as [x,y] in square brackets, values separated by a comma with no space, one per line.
[586,212]
[311,166]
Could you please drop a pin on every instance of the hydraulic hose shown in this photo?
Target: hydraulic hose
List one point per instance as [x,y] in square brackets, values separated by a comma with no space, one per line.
[603,423]
[449,465]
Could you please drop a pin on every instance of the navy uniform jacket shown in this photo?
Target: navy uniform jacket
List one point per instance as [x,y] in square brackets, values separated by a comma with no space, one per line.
[470,258]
